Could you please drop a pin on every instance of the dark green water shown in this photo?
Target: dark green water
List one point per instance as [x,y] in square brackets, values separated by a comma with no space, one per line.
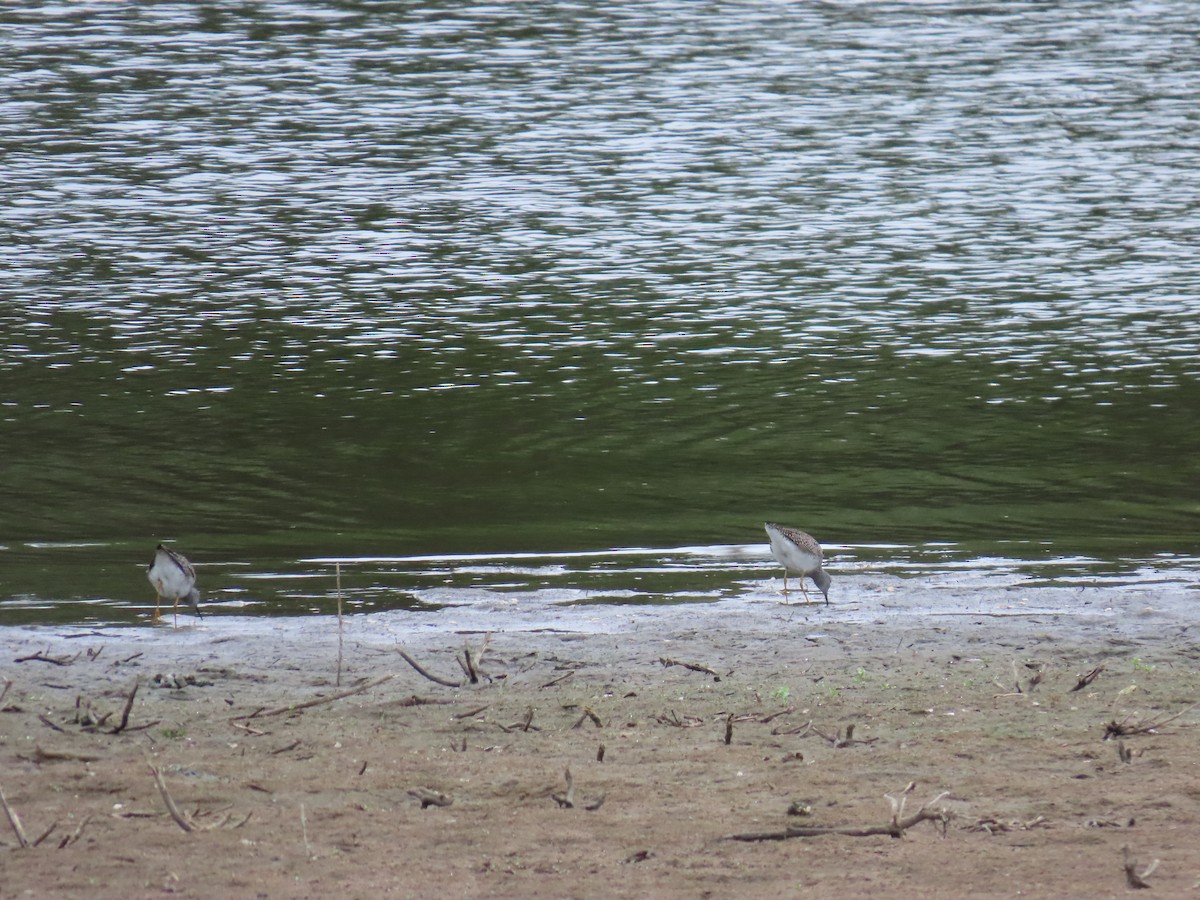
[284,283]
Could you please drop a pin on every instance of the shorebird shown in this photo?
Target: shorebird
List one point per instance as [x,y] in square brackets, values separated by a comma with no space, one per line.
[174,579]
[799,553]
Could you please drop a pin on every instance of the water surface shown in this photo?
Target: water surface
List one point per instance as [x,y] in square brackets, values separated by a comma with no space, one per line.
[288,282]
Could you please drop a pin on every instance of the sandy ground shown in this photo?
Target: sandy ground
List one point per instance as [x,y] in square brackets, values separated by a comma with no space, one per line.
[667,762]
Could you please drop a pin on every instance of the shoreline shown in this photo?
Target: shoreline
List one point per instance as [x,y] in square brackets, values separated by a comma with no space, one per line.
[824,709]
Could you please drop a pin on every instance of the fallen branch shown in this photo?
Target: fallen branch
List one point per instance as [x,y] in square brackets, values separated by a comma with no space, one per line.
[44,656]
[695,667]
[420,671]
[895,828]
[1122,729]
[4,693]
[262,714]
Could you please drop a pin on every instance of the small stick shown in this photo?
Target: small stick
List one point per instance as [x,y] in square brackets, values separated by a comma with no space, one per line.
[695,667]
[46,721]
[589,713]
[337,567]
[248,729]
[468,668]
[45,834]
[600,754]
[1087,679]
[14,820]
[262,714]
[4,693]
[179,818]
[470,714]
[895,828]
[559,679]
[412,662]
[304,830]
[74,835]
[292,746]
[42,656]
[729,729]
[120,726]
[776,715]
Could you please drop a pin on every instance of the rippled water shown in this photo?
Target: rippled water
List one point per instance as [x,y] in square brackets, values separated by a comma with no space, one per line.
[301,281]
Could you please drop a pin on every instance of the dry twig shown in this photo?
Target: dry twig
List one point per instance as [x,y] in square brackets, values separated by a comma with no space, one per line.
[1087,679]
[695,667]
[1124,728]
[120,726]
[180,819]
[559,680]
[14,820]
[420,671]
[44,656]
[262,714]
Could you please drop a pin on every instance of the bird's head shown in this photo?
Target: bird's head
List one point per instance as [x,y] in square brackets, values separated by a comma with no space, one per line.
[822,580]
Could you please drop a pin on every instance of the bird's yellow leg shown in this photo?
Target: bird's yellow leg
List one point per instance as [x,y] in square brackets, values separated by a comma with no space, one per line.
[804,590]
[157,600]
[785,588]
[175,613]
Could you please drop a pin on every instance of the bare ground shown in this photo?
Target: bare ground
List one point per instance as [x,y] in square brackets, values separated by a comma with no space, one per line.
[1030,791]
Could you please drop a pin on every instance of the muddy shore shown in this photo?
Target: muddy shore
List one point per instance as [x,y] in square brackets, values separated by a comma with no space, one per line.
[776,718]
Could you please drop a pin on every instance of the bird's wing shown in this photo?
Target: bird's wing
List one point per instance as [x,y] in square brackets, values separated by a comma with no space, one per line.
[803,539]
[181,561]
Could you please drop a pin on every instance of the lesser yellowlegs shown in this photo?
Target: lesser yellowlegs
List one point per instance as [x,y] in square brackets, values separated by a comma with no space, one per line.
[800,554]
[174,579]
